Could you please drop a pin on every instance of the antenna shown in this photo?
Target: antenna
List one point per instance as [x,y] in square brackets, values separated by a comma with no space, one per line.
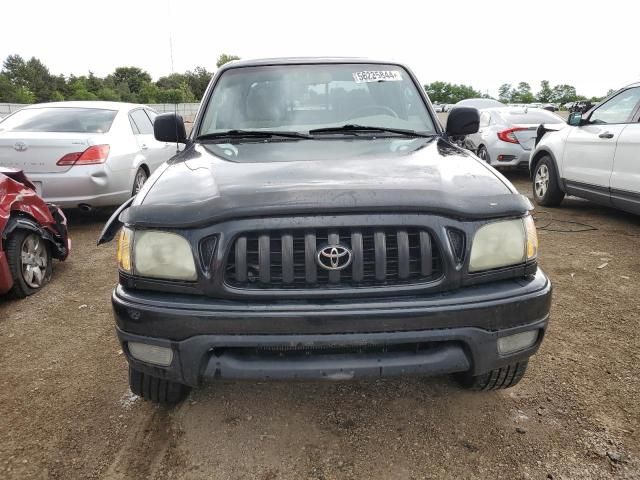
[175,105]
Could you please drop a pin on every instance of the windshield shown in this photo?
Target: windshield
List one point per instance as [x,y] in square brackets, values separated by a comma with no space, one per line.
[305,97]
[59,119]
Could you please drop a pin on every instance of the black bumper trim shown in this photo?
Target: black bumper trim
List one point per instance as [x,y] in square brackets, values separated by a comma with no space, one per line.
[464,349]
[447,358]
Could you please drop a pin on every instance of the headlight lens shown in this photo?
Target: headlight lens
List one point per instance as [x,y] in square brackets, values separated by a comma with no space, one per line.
[532,237]
[163,255]
[124,249]
[504,243]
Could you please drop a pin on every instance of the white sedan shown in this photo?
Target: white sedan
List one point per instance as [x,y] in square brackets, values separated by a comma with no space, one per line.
[83,154]
[595,157]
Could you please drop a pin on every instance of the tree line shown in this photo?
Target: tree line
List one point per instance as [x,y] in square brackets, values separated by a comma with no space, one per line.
[30,81]
[443,92]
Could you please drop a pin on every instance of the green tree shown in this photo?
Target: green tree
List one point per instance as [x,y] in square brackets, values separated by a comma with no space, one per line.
[522,94]
[31,75]
[14,69]
[172,81]
[108,94]
[198,80]
[149,93]
[135,78]
[545,94]
[444,92]
[23,95]
[225,58]
[56,96]
[563,94]
[505,92]
[94,84]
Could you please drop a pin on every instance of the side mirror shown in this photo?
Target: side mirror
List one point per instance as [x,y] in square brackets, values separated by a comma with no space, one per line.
[463,121]
[575,119]
[169,127]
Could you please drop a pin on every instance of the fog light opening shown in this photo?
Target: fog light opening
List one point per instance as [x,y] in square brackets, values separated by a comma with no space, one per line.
[519,341]
[154,354]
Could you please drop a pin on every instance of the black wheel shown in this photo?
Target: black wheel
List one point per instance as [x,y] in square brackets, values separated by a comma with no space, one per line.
[156,389]
[483,154]
[546,191]
[29,257]
[497,379]
[139,180]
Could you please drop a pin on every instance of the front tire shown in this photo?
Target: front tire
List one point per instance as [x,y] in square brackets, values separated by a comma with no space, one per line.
[546,191]
[30,263]
[156,389]
[496,379]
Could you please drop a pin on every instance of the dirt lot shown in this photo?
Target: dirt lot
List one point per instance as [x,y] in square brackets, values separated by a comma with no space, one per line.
[66,410]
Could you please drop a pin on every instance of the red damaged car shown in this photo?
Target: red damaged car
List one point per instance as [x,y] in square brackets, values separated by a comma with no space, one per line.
[33,234]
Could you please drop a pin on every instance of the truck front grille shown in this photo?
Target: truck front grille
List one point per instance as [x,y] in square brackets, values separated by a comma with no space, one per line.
[288,259]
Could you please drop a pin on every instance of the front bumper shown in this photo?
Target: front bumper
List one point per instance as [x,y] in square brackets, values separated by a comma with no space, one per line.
[453,332]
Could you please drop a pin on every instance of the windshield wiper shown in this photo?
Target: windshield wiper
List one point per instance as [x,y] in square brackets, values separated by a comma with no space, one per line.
[353,128]
[252,134]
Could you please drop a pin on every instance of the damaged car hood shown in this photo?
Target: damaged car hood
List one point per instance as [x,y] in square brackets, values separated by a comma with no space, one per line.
[201,186]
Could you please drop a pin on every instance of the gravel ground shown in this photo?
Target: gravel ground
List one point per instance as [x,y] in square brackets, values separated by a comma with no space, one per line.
[66,410]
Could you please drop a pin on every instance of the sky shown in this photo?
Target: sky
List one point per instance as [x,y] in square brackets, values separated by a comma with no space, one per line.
[591,45]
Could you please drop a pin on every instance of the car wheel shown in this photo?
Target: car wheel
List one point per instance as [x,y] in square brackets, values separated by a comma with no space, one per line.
[139,180]
[155,389]
[483,154]
[29,258]
[546,191]
[496,379]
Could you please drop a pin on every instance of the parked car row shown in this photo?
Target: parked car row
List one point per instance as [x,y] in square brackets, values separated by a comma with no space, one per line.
[288,239]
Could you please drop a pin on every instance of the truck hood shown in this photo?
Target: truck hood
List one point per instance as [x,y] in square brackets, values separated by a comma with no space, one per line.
[209,183]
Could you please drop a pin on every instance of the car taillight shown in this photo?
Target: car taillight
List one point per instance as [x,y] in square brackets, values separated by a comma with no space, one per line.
[509,135]
[91,156]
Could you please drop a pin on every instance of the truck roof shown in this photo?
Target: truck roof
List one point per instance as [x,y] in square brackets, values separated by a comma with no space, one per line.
[304,61]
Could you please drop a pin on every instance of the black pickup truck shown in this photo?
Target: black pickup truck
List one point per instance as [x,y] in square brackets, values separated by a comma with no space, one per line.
[319,224]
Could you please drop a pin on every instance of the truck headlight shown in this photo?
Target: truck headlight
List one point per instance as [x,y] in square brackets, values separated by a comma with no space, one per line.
[163,255]
[156,254]
[504,243]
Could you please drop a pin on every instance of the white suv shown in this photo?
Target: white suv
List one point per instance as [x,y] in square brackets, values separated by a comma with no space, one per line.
[597,156]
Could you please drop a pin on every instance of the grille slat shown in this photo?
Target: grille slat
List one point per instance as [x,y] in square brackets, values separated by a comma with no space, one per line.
[241,259]
[287,259]
[264,258]
[357,268]
[311,272]
[403,254]
[425,252]
[380,242]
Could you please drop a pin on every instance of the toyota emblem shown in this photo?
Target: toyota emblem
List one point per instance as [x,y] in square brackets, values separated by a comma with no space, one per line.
[20,146]
[334,257]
